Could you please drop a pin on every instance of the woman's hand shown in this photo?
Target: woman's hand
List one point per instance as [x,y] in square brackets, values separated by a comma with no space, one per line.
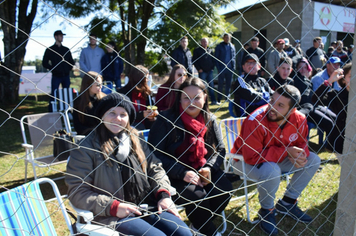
[193,178]
[150,114]
[167,204]
[205,177]
[127,210]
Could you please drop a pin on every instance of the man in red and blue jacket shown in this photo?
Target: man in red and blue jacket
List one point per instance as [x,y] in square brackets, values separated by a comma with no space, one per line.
[273,140]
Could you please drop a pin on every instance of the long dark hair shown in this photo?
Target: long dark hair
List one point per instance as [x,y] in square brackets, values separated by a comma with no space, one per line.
[172,76]
[347,69]
[84,102]
[137,80]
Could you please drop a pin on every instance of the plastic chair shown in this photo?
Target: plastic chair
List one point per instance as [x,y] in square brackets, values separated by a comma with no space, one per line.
[23,210]
[107,87]
[40,128]
[63,99]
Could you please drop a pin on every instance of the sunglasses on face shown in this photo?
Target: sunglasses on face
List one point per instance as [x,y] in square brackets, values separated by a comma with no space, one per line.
[180,75]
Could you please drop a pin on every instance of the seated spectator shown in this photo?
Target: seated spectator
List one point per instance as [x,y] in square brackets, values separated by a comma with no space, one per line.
[251,91]
[332,64]
[318,115]
[336,101]
[188,141]
[273,140]
[112,173]
[166,92]
[84,106]
[112,65]
[139,92]
[282,75]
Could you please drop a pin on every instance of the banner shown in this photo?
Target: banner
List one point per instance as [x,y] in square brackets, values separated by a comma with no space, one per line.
[334,18]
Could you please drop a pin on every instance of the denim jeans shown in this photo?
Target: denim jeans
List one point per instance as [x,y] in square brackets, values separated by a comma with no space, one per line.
[153,225]
[55,82]
[225,74]
[208,77]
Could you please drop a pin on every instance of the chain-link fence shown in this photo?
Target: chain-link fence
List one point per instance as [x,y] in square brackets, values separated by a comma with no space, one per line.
[236,148]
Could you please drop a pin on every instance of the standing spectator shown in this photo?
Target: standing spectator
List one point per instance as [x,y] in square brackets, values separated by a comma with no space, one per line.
[259,52]
[332,64]
[275,55]
[298,48]
[337,102]
[204,63]
[251,91]
[339,52]
[316,55]
[166,93]
[350,52]
[330,52]
[282,75]
[112,65]
[289,49]
[85,105]
[226,64]
[90,56]
[273,140]
[182,55]
[189,143]
[58,59]
[333,44]
[240,58]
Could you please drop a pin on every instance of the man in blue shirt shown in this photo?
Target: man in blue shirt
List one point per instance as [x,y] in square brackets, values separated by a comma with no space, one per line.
[226,64]
[332,64]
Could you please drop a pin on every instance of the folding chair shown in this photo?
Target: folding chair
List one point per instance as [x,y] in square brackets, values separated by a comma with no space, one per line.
[107,87]
[144,133]
[63,99]
[40,128]
[23,210]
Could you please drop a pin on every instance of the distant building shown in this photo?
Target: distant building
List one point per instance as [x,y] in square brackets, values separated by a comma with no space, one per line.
[28,70]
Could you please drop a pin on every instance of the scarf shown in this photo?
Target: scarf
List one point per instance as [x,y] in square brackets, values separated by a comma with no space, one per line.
[138,100]
[136,185]
[192,151]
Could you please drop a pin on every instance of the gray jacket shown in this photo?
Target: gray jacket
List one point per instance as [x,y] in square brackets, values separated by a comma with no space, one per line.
[94,185]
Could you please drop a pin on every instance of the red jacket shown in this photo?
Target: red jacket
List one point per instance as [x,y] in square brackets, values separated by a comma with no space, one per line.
[261,140]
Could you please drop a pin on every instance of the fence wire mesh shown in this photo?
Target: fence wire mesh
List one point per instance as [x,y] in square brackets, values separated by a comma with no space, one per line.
[243,57]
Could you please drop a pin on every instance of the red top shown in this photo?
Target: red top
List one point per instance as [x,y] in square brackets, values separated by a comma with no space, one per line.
[165,97]
[265,141]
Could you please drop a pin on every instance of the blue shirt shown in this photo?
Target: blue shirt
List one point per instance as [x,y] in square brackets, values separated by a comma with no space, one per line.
[319,79]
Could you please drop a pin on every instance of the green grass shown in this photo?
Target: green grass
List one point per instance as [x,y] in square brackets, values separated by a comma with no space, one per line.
[319,197]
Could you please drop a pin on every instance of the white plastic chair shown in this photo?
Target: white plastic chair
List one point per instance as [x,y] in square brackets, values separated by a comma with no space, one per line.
[63,99]
[23,210]
[40,128]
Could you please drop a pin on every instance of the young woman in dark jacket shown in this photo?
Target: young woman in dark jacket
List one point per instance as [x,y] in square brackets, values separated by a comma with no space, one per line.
[139,92]
[337,102]
[113,173]
[84,105]
[188,141]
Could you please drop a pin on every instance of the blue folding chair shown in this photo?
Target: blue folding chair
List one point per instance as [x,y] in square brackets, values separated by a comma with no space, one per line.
[107,87]
[23,210]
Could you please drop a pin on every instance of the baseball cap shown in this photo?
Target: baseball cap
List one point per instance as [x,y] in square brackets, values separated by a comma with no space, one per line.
[58,32]
[286,40]
[334,60]
[352,46]
[279,41]
[251,56]
[297,40]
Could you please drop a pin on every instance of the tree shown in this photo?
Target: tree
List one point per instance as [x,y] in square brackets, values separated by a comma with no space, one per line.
[16,22]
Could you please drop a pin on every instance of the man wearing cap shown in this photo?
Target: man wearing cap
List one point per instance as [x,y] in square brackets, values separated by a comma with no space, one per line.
[332,64]
[250,91]
[289,49]
[260,53]
[298,48]
[316,55]
[275,55]
[90,57]
[58,59]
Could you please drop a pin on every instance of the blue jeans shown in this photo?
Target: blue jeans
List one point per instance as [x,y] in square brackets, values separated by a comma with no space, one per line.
[55,82]
[208,77]
[153,225]
[226,75]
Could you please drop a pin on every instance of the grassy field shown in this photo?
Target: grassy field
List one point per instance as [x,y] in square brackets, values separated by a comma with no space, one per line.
[319,197]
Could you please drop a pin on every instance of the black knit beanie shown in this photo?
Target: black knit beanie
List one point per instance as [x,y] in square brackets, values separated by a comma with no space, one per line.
[115,100]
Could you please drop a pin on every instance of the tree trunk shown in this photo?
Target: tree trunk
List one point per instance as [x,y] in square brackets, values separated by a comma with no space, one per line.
[16,23]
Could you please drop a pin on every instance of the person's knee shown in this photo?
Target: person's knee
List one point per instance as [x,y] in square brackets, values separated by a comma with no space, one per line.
[268,170]
[313,161]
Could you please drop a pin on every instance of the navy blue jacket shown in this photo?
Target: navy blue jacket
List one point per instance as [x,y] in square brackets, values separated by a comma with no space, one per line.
[203,60]
[220,54]
[179,56]
[111,66]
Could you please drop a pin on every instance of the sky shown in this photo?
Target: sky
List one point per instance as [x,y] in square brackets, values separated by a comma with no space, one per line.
[76,37]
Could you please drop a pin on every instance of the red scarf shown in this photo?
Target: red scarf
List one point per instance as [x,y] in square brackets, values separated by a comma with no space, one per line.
[138,101]
[192,151]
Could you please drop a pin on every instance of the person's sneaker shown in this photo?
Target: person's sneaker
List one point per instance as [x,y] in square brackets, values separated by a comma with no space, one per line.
[293,211]
[268,221]
[195,231]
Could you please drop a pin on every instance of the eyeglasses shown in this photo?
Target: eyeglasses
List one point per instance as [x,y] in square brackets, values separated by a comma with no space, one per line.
[251,63]
[180,75]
